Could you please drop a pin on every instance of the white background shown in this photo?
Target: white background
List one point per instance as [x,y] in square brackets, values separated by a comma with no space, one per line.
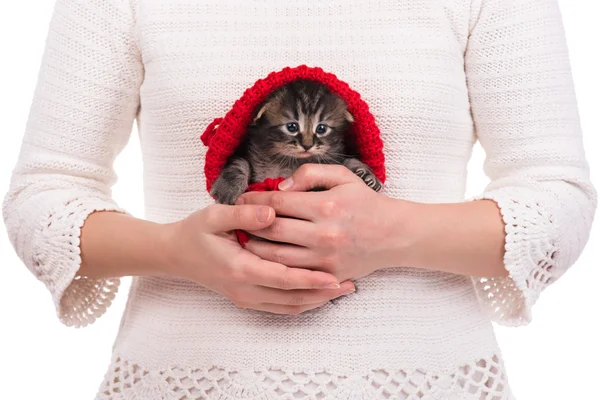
[556,357]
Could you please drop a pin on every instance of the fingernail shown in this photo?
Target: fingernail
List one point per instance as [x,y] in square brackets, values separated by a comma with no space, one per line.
[286,184]
[263,214]
[350,291]
[239,201]
[333,286]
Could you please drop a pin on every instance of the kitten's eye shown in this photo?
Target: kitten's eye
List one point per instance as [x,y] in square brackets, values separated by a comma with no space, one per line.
[292,127]
[321,129]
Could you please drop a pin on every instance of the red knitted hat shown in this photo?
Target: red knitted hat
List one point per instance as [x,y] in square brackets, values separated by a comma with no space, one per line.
[224,135]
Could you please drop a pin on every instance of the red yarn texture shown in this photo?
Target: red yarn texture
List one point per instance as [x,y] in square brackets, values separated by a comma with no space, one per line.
[224,135]
[268,185]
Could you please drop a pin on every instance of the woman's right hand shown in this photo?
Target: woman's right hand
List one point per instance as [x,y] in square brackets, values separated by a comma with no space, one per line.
[203,248]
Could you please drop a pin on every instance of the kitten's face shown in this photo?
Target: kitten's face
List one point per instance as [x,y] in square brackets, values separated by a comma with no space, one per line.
[302,119]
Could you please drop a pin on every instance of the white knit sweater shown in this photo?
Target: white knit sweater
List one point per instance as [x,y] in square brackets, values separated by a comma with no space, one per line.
[437,74]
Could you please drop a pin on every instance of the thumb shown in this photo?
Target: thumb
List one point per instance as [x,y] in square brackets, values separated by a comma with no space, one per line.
[224,218]
[311,176]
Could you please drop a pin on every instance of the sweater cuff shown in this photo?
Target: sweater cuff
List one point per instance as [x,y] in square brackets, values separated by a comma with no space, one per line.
[79,301]
[530,254]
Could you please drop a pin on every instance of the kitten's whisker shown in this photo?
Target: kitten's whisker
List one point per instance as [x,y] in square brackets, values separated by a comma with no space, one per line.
[335,154]
[281,161]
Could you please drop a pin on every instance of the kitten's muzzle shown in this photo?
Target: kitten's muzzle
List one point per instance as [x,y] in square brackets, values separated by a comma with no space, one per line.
[304,154]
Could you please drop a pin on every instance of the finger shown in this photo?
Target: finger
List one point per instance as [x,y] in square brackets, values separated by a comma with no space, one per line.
[292,256]
[286,310]
[310,176]
[293,231]
[223,218]
[297,205]
[278,276]
[300,297]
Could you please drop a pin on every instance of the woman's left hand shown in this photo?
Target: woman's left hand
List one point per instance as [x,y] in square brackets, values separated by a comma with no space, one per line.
[348,230]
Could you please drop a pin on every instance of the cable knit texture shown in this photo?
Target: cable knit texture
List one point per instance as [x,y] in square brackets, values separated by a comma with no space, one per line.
[437,75]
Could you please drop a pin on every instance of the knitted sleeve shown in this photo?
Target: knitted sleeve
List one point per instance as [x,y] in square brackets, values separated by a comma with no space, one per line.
[81,117]
[526,118]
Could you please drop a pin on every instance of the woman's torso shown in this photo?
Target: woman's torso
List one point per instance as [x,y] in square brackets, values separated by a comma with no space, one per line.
[406,333]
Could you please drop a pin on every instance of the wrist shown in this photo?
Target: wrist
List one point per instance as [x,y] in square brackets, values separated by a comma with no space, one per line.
[167,254]
[178,250]
[116,245]
[401,222]
[465,238]
[419,223]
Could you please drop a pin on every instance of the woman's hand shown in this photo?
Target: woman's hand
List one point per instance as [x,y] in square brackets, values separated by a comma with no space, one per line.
[352,231]
[345,230]
[202,249]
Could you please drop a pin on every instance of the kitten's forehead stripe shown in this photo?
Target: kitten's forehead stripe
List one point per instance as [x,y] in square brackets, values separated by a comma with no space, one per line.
[290,115]
[306,100]
[302,122]
[316,100]
[299,110]
[318,116]
[320,100]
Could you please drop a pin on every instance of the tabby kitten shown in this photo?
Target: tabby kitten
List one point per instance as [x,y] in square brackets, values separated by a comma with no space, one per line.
[299,123]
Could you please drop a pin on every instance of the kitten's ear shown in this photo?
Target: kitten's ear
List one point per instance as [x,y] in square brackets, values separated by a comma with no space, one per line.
[260,113]
[348,116]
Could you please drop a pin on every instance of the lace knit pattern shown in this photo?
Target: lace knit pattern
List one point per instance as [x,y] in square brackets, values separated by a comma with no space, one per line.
[437,75]
[484,380]
[81,299]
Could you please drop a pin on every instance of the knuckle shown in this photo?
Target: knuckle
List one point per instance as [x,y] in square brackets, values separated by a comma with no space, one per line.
[278,256]
[284,282]
[330,208]
[211,214]
[238,260]
[238,274]
[305,171]
[303,168]
[276,200]
[333,237]
[238,271]
[238,213]
[276,230]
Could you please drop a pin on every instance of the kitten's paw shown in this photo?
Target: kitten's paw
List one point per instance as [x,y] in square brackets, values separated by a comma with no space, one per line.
[225,192]
[365,173]
[369,178]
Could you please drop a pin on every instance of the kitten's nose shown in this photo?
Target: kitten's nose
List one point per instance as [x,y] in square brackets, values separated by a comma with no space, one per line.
[307,146]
